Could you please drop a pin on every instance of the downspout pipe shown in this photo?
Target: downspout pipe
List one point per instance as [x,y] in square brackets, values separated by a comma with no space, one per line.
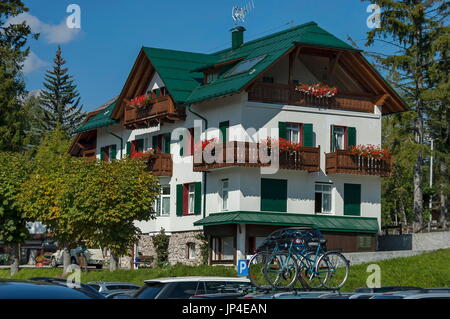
[118,137]
[205,174]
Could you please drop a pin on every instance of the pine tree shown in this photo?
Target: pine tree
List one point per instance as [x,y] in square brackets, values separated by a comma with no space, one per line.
[13,53]
[60,99]
[410,27]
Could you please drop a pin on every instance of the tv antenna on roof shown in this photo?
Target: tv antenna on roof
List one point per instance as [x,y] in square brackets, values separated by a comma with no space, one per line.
[239,14]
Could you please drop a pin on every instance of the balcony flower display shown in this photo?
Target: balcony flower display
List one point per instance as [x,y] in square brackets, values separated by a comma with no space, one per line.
[144,155]
[140,101]
[284,145]
[371,151]
[319,90]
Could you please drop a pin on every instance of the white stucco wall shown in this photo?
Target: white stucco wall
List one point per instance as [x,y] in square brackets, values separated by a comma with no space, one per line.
[244,183]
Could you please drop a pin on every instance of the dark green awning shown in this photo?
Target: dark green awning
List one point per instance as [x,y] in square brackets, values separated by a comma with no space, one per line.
[102,119]
[321,222]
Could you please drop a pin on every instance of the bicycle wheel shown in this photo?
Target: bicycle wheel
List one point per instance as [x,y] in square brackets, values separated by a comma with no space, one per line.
[281,270]
[336,266]
[312,278]
[256,267]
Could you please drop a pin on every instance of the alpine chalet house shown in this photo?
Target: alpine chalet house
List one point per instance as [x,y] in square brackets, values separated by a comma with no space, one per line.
[299,100]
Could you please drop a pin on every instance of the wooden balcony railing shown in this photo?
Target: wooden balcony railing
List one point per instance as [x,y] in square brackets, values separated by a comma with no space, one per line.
[247,154]
[159,109]
[287,94]
[90,154]
[160,164]
[343,161]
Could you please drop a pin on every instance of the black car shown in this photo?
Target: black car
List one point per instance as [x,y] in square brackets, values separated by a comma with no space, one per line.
[22,289]
[88,290]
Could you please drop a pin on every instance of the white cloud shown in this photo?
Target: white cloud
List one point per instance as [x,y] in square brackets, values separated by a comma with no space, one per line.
[32,63]
[59,33]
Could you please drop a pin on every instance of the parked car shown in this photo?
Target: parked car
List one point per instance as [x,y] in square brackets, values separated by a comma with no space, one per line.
[22,289]
[185,287]
[108,288]
[94,257]
[60,281]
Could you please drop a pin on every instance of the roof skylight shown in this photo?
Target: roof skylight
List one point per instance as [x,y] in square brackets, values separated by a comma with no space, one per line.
[245,66]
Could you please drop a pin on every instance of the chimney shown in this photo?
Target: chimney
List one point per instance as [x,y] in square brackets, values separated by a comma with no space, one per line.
[237,37]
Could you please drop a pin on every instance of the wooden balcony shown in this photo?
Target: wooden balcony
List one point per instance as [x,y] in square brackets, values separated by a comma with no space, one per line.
[345,162]
[160,109]
[287,94]
[245,154]
[90,154]
[160,164]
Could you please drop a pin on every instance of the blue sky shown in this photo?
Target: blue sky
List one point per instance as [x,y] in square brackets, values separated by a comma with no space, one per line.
[101,54]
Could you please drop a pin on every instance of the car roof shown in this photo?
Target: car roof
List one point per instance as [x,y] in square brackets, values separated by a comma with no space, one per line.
[429,295]
[22,289]
[197,278]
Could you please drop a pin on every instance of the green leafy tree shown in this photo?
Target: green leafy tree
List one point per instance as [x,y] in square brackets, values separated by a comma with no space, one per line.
[60,100]
[112,197]
[14,170]
[87,202]
[410,27]
[13,39]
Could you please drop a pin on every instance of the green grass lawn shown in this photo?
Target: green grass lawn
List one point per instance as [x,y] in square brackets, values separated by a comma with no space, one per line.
[426,270]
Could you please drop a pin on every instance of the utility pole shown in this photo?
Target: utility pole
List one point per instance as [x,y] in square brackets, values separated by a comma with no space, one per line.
[431,185]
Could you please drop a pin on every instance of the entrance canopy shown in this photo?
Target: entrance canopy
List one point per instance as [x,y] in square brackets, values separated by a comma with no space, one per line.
[321,222]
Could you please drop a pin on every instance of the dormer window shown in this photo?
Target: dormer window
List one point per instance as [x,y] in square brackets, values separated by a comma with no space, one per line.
[211,77]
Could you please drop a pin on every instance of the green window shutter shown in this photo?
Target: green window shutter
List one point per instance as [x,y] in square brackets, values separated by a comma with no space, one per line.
[112,152]
[128,148]
[102,153]
[181,145]
[333,141]
[282,130]
[351,136]
[352,199]
[140,145]
[223,127]
[274,195]
[198,198]
[167,143]
[308,138]
[179,200]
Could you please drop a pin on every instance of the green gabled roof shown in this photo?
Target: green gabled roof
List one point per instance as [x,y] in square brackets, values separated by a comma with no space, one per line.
[174,68]
[321,222]
[179,69]
[273,46]
[102,119]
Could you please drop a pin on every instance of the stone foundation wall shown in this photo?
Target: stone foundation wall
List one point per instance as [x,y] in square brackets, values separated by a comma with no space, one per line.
[178,245]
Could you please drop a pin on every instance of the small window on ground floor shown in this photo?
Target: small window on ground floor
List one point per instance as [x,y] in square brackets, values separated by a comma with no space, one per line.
[190,249]
[222,249]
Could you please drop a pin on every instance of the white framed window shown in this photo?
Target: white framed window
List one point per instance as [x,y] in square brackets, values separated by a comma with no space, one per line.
[190,251]
[191,198]
[293,132]
[163,202]
[224,194]
[339,137]
[323,198]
